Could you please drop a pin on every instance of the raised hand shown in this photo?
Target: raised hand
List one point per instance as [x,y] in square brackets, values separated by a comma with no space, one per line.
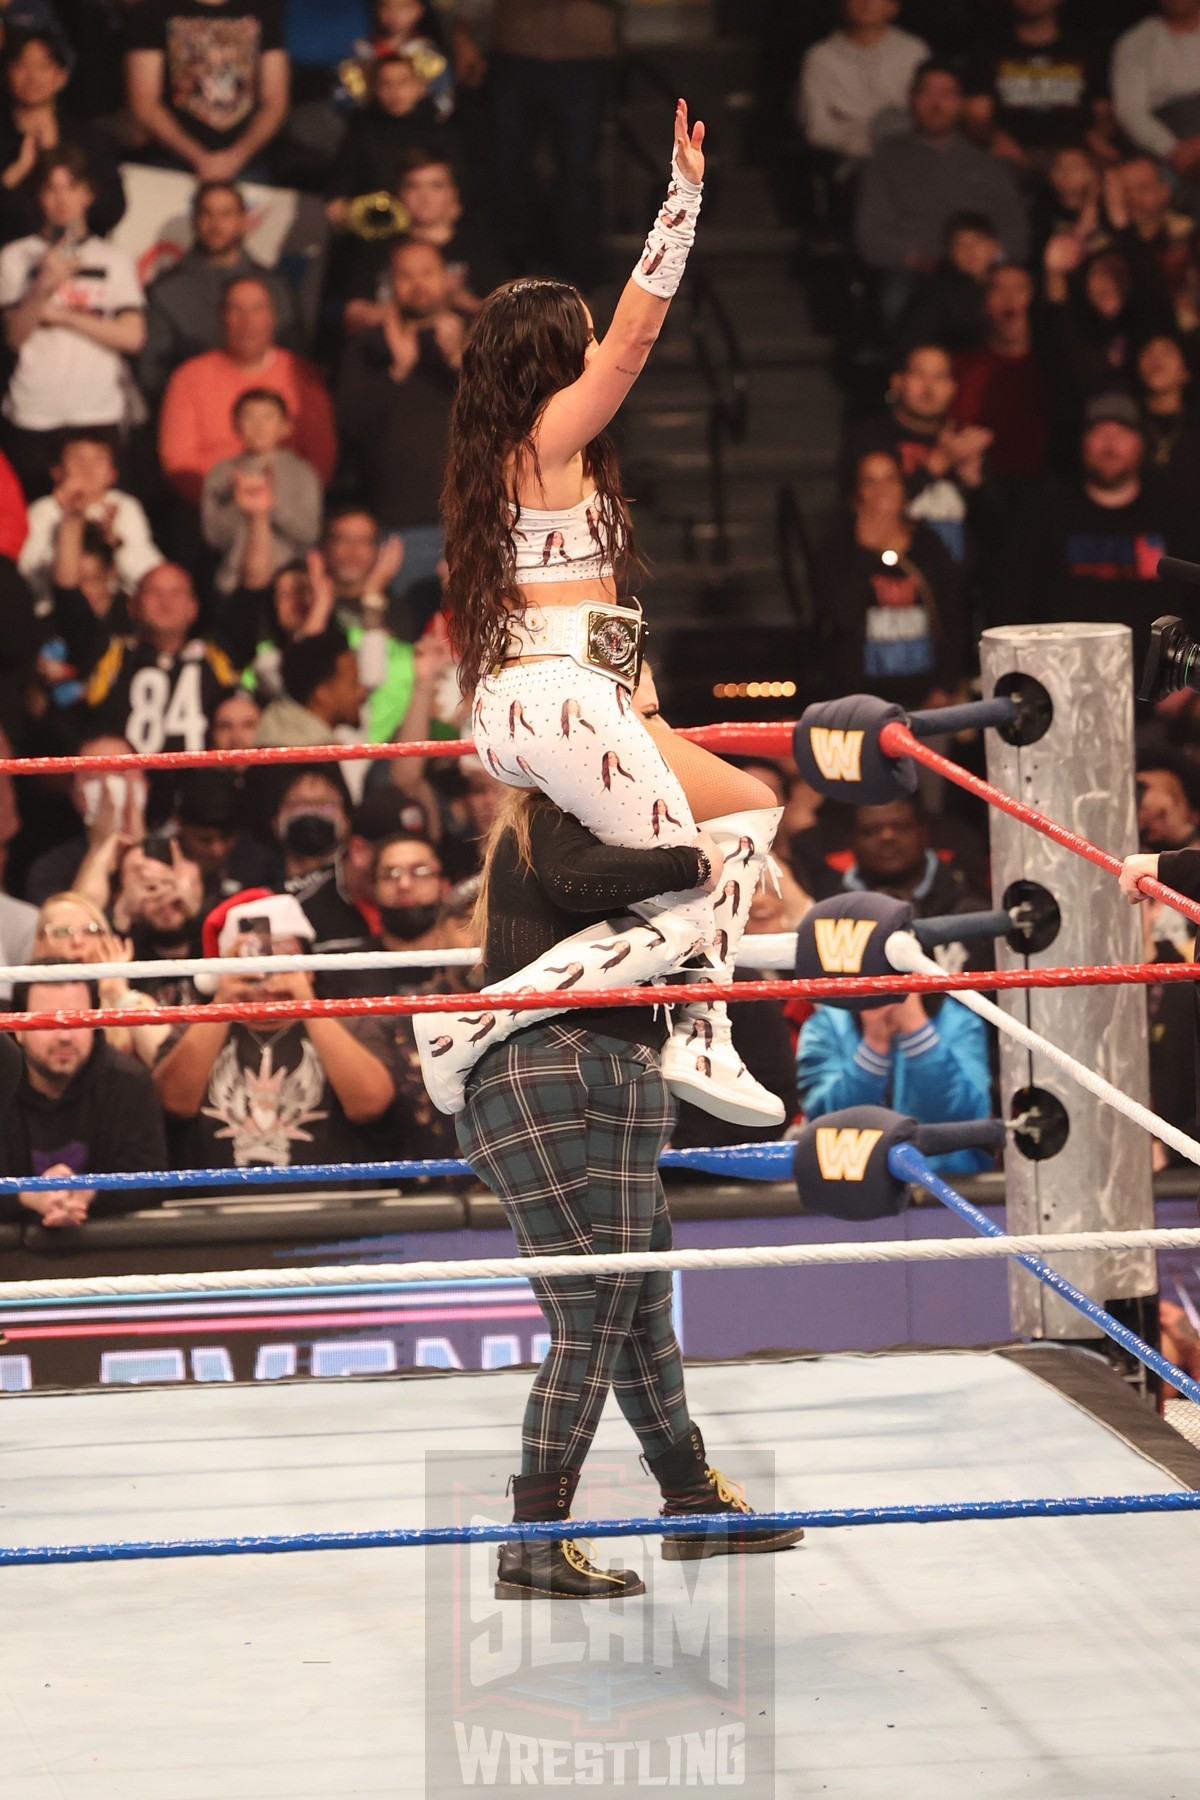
[387,564]
[72,498]
[1063,254]
[24,162]
[689,145]
[254,491]
[323,600]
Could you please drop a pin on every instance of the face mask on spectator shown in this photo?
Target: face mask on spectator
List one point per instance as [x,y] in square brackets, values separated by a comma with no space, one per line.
[309,834]
[409,921]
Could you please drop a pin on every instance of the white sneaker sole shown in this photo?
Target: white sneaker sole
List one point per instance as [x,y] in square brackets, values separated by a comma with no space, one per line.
[725,1102]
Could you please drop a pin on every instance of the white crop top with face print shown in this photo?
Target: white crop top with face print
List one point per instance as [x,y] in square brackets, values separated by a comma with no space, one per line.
[559,546]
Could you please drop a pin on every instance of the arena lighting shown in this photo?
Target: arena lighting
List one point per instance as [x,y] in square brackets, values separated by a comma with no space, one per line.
[754,690]
[890,558]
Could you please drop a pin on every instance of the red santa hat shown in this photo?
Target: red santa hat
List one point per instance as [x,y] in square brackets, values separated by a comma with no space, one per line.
[221,930]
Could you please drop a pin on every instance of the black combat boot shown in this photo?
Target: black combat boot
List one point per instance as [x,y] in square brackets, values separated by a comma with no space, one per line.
[689,1486]
[557,1568]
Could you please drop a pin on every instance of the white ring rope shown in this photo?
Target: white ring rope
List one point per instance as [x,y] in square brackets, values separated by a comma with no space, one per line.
[770,950]
[904,953]
[492,1268]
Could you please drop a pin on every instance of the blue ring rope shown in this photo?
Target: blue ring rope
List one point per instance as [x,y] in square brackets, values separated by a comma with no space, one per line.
[695,1525]
[751,1162]
[907,1164]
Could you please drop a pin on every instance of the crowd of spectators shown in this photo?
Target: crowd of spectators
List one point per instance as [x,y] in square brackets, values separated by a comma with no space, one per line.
[1015,190]
[219,499]
[219,482]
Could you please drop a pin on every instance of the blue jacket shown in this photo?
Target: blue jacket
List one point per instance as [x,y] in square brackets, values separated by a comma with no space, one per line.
[936,1074]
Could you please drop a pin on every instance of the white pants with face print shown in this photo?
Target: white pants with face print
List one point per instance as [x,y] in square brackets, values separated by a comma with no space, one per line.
[573,733]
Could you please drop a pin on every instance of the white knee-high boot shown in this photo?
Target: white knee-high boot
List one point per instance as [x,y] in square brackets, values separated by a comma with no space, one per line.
[618,952]
[700,1063]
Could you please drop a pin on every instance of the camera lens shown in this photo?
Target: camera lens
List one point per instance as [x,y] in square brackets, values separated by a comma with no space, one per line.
[1171,661]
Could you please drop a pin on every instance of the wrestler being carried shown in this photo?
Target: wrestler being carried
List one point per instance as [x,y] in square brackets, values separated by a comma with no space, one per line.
[539,544]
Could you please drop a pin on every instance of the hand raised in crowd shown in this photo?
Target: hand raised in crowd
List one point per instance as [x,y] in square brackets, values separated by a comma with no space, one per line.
[689,144]
[387,565]
[1116,205]
[60,1206]
[432,656]
[24,163]
[449,330]
[107,947]
[322,599]
[145,880]
[120,815]
[403,345]
[72,498]
[961,448]
[254,491]
[1062,256]
[285,984]
[232,990]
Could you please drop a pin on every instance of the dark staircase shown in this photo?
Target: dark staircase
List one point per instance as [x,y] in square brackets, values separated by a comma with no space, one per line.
[728,440]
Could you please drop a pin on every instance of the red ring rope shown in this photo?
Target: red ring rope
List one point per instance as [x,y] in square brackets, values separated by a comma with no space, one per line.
[896,740]
[762,739]
[826,987]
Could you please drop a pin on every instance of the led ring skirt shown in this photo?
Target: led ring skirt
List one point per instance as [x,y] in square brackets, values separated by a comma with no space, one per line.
[1038,1637]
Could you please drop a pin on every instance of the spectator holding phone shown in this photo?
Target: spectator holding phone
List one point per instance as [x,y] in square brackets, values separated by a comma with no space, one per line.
[154,895]
[80,1108]
[241,1095]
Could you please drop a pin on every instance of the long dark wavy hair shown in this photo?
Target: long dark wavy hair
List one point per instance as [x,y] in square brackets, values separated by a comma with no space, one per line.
[527,342]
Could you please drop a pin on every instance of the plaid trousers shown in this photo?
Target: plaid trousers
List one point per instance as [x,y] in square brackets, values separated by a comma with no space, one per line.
[566,1126]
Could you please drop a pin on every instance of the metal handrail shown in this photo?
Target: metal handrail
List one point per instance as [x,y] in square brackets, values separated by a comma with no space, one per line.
[794,547]
[727,380]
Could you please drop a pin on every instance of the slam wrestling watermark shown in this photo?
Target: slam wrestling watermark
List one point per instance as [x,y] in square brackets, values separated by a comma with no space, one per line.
[673,1688]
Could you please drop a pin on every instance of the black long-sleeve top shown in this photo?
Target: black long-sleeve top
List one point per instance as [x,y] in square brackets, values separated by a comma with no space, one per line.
[575,882]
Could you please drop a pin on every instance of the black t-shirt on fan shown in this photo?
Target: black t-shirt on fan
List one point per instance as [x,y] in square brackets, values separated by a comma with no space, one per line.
[211,60]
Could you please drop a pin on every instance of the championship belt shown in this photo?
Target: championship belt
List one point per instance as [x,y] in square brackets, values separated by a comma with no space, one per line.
[610,639]
[614,643]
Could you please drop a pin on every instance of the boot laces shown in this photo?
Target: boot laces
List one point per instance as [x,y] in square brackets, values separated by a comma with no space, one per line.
[579,1554]
[729,1493]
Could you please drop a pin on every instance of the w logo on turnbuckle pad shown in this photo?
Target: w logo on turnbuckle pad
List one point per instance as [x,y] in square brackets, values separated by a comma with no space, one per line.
[843,1155]
[838,754]
[842,943]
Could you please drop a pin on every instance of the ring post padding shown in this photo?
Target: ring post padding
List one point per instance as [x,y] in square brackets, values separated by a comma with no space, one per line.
[1080,773]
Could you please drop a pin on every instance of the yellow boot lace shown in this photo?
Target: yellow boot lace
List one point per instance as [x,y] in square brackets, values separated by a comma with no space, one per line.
[579,1557]
[729,1493]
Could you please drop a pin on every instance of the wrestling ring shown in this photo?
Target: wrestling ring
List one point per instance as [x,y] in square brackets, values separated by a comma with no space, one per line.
[183,1615]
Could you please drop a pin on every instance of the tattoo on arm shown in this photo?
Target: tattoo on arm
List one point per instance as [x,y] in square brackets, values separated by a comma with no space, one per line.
[621,370]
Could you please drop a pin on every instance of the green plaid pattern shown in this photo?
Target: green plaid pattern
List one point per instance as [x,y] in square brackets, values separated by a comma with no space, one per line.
[566,1127]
